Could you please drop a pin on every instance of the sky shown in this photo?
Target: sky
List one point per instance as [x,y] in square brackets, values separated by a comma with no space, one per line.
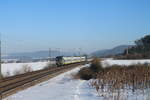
[33,25]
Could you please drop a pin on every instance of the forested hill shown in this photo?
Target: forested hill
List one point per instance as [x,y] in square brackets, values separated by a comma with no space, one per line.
[111,52]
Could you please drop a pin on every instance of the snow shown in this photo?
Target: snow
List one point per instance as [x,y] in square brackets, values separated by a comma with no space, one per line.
[124,62]
[62,87]
[12,67]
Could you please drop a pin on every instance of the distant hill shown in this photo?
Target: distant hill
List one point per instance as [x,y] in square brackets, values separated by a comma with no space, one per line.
[107,52]
[38,54]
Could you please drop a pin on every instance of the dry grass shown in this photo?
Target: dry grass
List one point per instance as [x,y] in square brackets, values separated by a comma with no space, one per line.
[87,73]
[96,65]
[121,78]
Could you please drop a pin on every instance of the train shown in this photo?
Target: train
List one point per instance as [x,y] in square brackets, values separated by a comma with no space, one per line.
[61,60]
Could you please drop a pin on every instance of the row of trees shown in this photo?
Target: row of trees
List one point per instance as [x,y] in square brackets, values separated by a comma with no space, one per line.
[141,48]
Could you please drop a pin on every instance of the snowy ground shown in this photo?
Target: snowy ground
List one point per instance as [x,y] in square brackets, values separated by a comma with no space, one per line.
[12,67]
[62,87]
[123,62]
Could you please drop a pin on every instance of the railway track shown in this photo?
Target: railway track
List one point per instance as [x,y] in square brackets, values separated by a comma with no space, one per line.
[11,85]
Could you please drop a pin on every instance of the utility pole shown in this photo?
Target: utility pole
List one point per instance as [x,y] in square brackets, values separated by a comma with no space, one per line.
[80,53]
[0,60]
[127,51]
[49,57]
[0,68]
[58,50]
[49,54]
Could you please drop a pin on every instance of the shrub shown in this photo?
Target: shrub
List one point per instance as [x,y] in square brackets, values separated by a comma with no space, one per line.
[49,65]
[90,72]
[17,72]
[7,74]
[96,65]
[24,69]
[123,78]
[85,73]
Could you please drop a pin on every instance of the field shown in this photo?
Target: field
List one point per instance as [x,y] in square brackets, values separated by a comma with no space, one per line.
[11,69]
[64,87]
[109,62]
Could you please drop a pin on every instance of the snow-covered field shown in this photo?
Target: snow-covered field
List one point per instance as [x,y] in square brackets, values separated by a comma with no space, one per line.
[124,62]
[62,87]
[12,67]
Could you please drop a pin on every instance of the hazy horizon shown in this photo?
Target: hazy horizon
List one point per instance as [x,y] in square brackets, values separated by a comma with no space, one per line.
[35,25]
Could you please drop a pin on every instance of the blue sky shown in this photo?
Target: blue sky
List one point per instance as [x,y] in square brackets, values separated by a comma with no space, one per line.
[32,25]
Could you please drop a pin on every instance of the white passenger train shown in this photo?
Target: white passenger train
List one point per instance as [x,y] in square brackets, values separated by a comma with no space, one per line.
[60,60]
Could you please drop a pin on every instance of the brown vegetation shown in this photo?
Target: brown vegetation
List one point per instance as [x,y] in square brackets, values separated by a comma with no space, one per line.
[121,78]
[134,56]
[87,73]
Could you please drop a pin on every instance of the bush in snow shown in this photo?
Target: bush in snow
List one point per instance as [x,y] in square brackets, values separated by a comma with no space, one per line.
[85,74]
[17,72]
[7,74]
[96,65]
[49,65]
[90,72]
[24,69]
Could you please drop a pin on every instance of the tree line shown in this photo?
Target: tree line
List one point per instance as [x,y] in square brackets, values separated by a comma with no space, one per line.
[141,49]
